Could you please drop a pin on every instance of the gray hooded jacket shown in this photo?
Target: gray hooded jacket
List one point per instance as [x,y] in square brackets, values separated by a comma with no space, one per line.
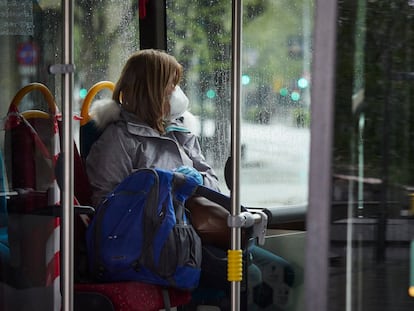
[127,145]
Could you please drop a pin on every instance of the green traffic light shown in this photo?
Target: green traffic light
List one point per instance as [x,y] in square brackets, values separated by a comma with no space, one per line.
[283,91]
[295,96]
[303,83]
[211,94]
[245,79]
[83,92]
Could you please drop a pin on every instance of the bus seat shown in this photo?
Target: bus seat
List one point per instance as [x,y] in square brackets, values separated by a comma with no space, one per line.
[127,296]
[30,140]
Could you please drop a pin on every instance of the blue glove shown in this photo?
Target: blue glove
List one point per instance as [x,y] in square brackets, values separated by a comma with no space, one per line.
[192,172]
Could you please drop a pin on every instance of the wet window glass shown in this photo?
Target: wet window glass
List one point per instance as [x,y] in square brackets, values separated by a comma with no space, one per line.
[106,33]
[276,83]
[275,119]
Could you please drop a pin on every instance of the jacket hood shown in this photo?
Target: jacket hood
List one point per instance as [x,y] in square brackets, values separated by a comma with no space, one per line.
[104,112]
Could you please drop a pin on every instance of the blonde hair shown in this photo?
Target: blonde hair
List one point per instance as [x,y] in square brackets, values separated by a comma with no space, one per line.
[141,88]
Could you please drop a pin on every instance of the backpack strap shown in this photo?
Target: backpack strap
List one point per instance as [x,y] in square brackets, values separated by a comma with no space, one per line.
[166,298]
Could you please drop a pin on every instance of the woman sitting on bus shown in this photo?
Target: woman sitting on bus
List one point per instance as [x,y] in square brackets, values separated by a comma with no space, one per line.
[142,128]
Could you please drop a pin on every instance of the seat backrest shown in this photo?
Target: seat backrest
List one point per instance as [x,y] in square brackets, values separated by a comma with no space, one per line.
[89,133]
[31,145]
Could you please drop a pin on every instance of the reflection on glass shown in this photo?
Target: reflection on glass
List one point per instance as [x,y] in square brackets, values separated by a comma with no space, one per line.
[372,157]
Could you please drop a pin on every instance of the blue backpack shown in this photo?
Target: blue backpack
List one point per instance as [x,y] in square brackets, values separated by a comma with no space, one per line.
[140,232]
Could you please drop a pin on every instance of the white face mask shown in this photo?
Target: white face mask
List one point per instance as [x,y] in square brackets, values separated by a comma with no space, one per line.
[178,103]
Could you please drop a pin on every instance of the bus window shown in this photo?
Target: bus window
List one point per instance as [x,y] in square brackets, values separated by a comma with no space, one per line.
[275,104]
[202,44]
[276,59]
[105,34]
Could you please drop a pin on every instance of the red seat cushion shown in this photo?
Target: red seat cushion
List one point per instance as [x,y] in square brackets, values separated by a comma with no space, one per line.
[135,296]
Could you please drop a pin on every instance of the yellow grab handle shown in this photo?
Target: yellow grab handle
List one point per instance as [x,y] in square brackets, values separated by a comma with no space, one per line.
[234,265]
[95,89]
[31,87]
[38,114]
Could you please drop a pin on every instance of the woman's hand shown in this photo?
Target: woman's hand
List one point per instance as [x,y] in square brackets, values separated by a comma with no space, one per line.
[192,172]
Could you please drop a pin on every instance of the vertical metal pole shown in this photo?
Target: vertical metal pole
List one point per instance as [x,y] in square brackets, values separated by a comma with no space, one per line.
[235,137]
[67,148]
[322,108]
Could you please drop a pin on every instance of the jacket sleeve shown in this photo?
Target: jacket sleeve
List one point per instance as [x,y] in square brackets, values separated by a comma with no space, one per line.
[108,163]
[193,150]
